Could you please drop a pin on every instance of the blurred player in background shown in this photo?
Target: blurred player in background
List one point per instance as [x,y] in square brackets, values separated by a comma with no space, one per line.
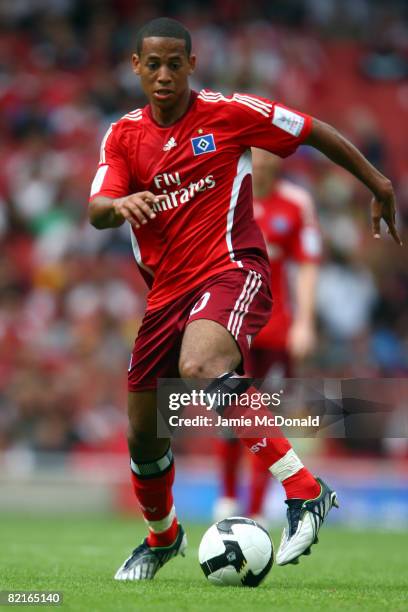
[286,215]
[179,171]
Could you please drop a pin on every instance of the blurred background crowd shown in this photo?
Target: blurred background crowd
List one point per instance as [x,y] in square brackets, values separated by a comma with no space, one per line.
[71,298]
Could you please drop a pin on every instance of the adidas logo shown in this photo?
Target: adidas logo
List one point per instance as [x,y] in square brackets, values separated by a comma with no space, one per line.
[170,144]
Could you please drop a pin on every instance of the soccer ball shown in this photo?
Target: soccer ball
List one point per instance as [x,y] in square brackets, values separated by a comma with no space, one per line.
[236,551]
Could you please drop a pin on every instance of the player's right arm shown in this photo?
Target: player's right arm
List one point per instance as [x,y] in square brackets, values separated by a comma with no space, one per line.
[136,208]
[111,200]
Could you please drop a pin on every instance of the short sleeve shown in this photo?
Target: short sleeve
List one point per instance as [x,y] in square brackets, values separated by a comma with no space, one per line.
[268,125]
[112,178]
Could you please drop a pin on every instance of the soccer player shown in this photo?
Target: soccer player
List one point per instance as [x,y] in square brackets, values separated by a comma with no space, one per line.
[286,216]
[179,172]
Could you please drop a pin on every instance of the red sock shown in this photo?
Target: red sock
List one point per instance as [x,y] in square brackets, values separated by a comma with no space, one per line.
[275,453]
[163,538]
[152,483]
[278,457]
[229,453]
[302,485]
[258,483]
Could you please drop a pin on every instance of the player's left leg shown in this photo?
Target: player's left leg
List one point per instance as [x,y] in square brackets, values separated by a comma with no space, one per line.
[306,512]
[228,318]
[208,350]
[263,363]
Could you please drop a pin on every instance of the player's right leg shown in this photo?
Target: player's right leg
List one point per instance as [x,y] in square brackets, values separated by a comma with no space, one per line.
[154,356]
[152,473]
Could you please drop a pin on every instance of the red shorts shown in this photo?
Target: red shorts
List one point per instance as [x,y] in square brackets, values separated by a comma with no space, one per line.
[240,300]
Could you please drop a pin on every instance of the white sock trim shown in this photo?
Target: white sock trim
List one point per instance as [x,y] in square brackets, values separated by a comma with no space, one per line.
[287,466]
[163,524]
[152,468]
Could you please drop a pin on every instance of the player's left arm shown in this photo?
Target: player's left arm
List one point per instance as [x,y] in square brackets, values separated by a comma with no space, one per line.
[336,147]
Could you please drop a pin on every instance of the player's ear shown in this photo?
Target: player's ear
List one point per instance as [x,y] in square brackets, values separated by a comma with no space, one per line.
[136,63]
[192,63]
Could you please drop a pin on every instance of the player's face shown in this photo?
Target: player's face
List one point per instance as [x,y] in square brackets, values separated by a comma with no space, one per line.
[164,69]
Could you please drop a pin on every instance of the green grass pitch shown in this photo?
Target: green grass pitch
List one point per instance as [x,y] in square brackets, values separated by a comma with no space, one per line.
[347,571]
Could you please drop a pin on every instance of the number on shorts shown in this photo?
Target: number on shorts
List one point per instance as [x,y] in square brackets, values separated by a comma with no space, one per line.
[201,303]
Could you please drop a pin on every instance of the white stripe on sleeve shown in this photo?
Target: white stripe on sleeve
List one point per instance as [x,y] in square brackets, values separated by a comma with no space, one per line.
[98,180]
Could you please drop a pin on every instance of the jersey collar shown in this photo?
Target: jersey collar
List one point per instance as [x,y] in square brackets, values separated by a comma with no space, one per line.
[148,111]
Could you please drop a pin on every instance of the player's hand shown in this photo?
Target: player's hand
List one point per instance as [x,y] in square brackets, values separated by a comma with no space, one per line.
[137,208]
[301,340]
[384,208]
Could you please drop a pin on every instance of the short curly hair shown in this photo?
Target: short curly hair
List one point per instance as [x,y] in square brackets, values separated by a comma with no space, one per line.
[163,27]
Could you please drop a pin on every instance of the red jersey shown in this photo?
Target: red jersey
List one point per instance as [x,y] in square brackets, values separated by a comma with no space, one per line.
[202,164]
[289,224]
